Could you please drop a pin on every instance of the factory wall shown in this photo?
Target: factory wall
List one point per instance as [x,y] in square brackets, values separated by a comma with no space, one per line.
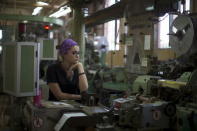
[193,5]
[164,54]
[161,53]
[116,58]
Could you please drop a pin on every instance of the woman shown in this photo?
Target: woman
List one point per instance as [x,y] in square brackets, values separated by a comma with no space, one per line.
[67,79]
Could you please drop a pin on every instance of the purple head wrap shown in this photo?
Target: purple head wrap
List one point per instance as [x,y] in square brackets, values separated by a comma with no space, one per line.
[66,45]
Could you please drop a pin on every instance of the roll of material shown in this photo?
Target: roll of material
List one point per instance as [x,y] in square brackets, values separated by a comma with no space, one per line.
[65,118]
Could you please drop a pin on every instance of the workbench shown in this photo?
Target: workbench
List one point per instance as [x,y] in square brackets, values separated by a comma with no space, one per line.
[47,116]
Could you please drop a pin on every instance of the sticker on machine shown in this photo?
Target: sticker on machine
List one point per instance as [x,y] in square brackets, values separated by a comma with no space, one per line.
[37,122]
[156,115]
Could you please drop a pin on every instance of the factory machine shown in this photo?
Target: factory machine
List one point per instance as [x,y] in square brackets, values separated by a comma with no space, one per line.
[166,98]
[183,42]
[168,102]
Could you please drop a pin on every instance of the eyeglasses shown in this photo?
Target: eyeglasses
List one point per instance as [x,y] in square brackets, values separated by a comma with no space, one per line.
[75,52]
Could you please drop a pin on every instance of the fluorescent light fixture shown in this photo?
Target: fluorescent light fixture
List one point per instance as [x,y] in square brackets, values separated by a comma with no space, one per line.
[40,3]
[51,35]
[1,34]
[150,8]
[25,21]
[37,10]
[61,12]
[85,11]
[0,49]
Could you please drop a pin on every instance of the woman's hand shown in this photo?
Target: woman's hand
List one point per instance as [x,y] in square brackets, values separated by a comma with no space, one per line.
[78,66]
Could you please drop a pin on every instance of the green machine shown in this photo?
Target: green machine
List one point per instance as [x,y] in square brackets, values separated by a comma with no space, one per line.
[20,68]
[48,49]
[184,77]
[143,83]
[115,79]
[111,83]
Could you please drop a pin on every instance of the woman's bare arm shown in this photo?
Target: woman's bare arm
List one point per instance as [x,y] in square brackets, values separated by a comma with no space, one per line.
[83,82]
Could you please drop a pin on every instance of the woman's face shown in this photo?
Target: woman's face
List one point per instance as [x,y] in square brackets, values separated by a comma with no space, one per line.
[72,56]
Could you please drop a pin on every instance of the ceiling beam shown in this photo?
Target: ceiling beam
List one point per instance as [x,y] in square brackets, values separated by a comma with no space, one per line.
[16,17]
[111,13]
[25,5]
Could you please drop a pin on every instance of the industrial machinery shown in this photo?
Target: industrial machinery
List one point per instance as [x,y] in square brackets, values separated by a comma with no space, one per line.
[48,49]
[68,115]
[183,38]
[143,113]
[181,92]
[111,83]
[20,66]
[143,84]
[167,100]
[183,89]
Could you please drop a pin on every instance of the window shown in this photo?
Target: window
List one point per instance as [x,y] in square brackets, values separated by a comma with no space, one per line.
[187,6]
[111,29]
[86,13]
[111,34]
[164,25]
[163,30]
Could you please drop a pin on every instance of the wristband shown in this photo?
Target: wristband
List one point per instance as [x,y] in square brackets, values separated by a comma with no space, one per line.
[81,73]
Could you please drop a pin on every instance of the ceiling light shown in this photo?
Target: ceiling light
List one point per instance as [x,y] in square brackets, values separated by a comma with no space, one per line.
[149,8]
[37,10]
[40,3]
[61,12]
[25,21]
[0,49]
[1,34]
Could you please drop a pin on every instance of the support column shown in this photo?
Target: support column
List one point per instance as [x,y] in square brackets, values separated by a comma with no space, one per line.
[79,30]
